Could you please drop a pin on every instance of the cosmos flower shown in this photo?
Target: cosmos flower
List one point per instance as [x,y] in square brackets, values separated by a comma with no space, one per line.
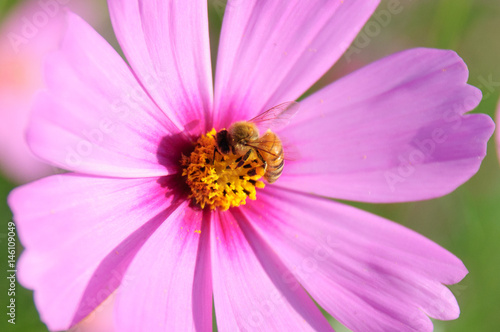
[139,140]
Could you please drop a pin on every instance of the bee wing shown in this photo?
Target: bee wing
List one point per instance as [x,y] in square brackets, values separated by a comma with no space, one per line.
[291,153]
[276,117]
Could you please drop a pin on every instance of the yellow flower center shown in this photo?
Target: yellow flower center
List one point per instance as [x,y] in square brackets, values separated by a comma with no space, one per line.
[224,182]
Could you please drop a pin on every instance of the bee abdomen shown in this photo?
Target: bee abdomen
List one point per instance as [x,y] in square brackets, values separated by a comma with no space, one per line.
[275,167]
[273,175]
[271,150]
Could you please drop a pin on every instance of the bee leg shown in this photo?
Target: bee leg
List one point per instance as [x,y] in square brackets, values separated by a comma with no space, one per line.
[242,159]
[245,157]
[261,159]
[213,159]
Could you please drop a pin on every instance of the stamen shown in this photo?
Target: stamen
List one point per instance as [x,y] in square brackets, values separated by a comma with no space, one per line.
[224,182]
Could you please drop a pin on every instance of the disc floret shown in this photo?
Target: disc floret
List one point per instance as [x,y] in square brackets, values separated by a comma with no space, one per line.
[221,181]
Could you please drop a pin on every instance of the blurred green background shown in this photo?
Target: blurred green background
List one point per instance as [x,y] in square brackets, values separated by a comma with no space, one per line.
[466,222]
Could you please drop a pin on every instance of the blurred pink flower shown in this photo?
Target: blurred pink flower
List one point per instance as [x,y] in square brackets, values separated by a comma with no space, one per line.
[393,131]
[29,33]
[497,136]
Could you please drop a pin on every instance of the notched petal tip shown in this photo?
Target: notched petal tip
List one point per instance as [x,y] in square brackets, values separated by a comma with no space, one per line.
[375,275]
[396,130]
[445,59]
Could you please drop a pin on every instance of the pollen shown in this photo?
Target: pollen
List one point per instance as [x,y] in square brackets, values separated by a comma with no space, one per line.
[221,181]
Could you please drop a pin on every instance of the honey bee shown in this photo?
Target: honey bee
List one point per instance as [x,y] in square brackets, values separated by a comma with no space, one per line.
[243,137]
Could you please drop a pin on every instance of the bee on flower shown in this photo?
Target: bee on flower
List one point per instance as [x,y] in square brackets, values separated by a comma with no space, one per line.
[177,200]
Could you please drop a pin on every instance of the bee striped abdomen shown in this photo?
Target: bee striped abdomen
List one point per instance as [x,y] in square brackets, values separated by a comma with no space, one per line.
[271,150]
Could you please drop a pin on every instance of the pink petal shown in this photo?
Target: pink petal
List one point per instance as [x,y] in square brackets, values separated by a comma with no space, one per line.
[249,291]
[80,234]
[170,280]
[393,131]
[100,320]
[369,273]
[97,119]
[17,162]
[273,51]
[166,43]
